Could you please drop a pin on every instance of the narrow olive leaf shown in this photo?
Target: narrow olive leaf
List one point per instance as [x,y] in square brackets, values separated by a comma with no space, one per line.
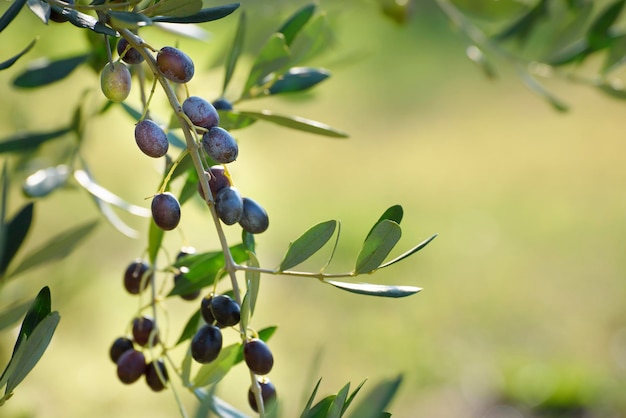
[348,402]
[6,64]
[539,89]
[38,310]
[521,28]
[13,313]
[129,20]
[410,252]
[204,15]
[82,20]
[26,141]
[16,230]
[575,52]
[4,197]
[272,58]
[190,328]
[185,366]
[231,120]
[58,247]
[155,238]
[190,188]
[375,289]
[393,213]
[611,90]
[43,72]
[298,79]
[184,29]
[248,240]
[336,408]
[477,56]
[235,50]
[308,244]
[309,402]
[10,13]
[296,122]
[214,371]
[253,282]
[320,409]
[377,399]
[40,9]
[598,33]
[175,140]
[312,40]
[616,56]
[223,409]
[33,348]
[296,22]
[116,222]
[46,180]
[176,8]
[89,184]
[377,246]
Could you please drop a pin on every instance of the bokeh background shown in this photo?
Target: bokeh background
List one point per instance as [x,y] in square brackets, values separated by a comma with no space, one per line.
[522,312]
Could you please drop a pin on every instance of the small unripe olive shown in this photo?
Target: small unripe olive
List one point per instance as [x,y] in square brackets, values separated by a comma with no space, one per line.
[175,65]
[151,139]
[115,81]
[165,211]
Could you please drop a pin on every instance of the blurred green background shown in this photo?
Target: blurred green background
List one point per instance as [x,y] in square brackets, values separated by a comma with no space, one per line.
[523,308]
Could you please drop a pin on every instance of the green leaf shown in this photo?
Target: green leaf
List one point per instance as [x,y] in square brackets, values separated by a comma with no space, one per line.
[598,34]
[13,313]
[614,91]
[348,402]
[537,88]
[190,328]
[308,244]
[6,64]
[253,283]
[222,409]
[129,20]
[40,308]
[312,40]
[235,50]
[16,230]
[27,141]
[410,252]
[336,408]
[82,20]
[176,8]
[298,79]
[204,15]
[214,371]
[155,237]
[248,240]
[616,55]
[377,399]
[309,402]
[296,122]
[375,289]
[231,120]
[296,22]
[58,247]
[43,72]
[40,9]
[4,197]
[320,409]
[46,180]
[272,58]
[10,13]
[394,213]
[190,188]
[381,240]
[522,27]
[478,57]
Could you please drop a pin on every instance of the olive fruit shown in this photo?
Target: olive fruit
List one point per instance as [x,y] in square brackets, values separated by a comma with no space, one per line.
[174,64]
[200,112]
[165,211]
[206,344]
[222,104]
[143,329]
[181,273]
[217,180]
[151,139]
[134,280]
[115,81]
[157,383]
[130,366]
[258,356]
[57,16]
[221,309]
[205,310]
[220,145]
[268,394]
[254,218]
[229,205]
[119,347]
[131,56]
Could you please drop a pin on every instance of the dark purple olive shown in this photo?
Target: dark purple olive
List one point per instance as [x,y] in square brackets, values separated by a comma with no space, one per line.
[206,344]
[119,347]
[200,112]
[131,56]
[151,139]
[143,329]
[258,356]
[130,366]
[157,383]
[165,211]
[220,145]
[135,277]
[175,65]
[229,205]
[268,394]
[254,218]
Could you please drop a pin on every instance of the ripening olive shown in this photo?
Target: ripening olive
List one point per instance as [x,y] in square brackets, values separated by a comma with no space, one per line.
[220,145]
[200,112]
[175,65]
[151,139]
[115,81]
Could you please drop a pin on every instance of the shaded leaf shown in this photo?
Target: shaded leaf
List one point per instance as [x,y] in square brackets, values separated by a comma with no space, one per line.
[320,409]
[410,252]
[598,34]
[308,244]
[214,371]
[377,399]
[16,230]
[393,213]
[537,88]
[128,20]
[296,122]
[231,120]
[375,289]
[10,13]
[522,27]
[176,8]
[381,240]
[348,402]
[88,183]
[312,40]
[39,309]
[4,197]
[204,15]
[575,52]
[298,79]
[272,58]
[6,64]
[13,313]
[82,20]
[58,247]
[46,180]
[190,328]
[43,72]
[309,402]
[336,408]
[175,140]
[155,238]
[27,141]
[253,283]
[235,50]
[296,22]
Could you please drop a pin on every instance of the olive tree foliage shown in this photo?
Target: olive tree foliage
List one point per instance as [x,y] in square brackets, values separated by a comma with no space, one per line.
[196,146]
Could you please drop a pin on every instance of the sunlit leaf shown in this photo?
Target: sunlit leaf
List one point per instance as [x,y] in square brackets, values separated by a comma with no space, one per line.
[598,34]
[272,58]
[296,22]
[377,246]
[129,20]
[184,29]
[235,50]
[176,8]
[44,181]
[155,237]
[214,371]
[107,196]
[298,79]
[190,328]
[539,89]
[309,402]
[393,213]
[10,13]
[296,122]
[336,408]
[43,72]
[375,289]
[16,230]
[409,253]
[6,64]
[375,402]
[58,247]
[308,244]
[26,141]
[40,9]
[204,15]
